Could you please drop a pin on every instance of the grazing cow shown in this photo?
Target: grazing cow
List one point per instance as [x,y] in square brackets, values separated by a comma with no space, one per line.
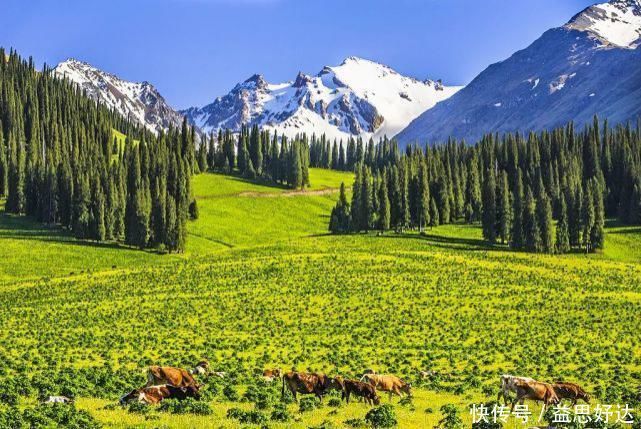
[388,383]
[535,391]
[58,400]
[424,375]
[571,391]
[159,375]
[508,384]
[154,394]
[307,384]
[360,389]
[201,368]
[270,375]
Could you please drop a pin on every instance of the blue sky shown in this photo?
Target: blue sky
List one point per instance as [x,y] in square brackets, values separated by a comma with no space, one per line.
[195,50]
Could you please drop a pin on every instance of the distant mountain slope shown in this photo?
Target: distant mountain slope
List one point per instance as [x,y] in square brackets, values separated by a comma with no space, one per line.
[357,98]
[140,102]
[592,65]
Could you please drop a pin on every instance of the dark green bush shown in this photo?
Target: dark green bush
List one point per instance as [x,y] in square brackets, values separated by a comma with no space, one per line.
[230,393]
[308,404]
[250,417]
[334,402]
[47,415]
[280,414]
[382,417]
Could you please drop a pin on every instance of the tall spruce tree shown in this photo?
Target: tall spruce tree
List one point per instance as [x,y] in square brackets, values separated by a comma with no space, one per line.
[488,217]
[504,209]
[562,244]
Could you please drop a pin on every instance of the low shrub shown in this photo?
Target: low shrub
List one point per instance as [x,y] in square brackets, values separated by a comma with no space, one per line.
[308,404]
[382,417]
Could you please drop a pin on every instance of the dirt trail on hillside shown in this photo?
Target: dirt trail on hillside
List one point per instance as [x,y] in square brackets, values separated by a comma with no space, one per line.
[299,193]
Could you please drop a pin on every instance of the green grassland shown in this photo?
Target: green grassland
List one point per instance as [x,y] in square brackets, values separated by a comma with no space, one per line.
[263,285]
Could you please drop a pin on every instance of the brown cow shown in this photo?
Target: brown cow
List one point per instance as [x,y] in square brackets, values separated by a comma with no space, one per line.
[159,375]
[571,391]
[388,383]
[155,394]
[360,389]
[270,375]
[535,391]
[307,384]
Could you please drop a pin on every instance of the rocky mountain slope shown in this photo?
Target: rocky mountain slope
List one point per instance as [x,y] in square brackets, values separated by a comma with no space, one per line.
[357,98]
[591,65]
[139,101]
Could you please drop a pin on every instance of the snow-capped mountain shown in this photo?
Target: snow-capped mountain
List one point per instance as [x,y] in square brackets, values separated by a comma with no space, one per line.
[357,98]
[140,102]
[591,65]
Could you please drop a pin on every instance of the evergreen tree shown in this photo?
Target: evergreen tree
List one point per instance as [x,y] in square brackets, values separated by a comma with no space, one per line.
[384,215]
[434,214]
[546,225]
[597,234]
[340,221]
[588,218]
[504,209]
[4,166]
[562,232]
[518,233]
[531,231]
[295,167]
[423,205]
[488,217]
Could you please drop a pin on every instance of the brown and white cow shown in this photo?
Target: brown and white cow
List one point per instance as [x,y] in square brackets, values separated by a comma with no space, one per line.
[161,375]
[360,389]
[571,391]
[309,383]
[508,384]
[151,395]
[535,391]
[388,383]
[270,375]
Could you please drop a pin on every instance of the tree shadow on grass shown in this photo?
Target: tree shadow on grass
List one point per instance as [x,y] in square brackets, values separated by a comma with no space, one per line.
[258,181]
[458,243]
[444,242]
[627,231]
[24,228]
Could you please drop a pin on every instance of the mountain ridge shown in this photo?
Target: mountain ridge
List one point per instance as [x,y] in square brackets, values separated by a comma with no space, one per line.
[139,101]
[359,97]
[570,73]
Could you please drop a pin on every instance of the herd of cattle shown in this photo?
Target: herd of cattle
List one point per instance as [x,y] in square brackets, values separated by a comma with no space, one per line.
[176,383]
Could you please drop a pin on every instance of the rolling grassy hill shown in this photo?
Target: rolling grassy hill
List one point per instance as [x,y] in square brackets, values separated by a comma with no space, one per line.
[262,285]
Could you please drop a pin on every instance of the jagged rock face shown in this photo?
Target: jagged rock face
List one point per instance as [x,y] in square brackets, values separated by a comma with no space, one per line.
[141,102]
[357,98]
[592,65]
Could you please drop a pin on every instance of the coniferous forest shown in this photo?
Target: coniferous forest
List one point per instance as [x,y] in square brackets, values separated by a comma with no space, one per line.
[516,187]
[255,154]
[61,163]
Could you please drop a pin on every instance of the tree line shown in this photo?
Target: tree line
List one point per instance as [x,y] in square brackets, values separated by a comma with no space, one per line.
[61,163]
[549,192]
[253,153]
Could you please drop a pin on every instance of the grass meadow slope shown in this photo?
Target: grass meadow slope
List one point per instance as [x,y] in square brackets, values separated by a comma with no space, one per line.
[263,285]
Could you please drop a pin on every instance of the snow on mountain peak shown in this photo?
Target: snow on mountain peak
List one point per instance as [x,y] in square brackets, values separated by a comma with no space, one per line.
[616,23]
[357,98]
[141,102]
